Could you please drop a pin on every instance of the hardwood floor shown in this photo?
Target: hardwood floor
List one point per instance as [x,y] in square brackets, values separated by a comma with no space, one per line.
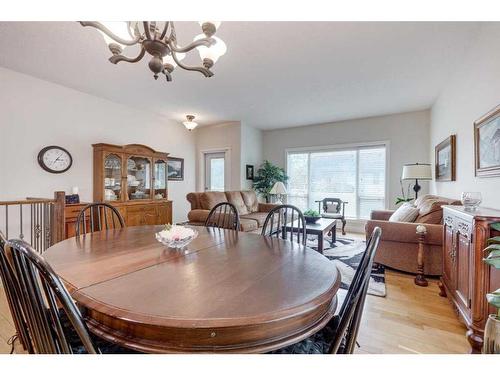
[410,319]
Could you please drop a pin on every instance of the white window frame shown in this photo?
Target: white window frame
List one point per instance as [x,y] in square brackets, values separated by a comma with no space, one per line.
[348,146]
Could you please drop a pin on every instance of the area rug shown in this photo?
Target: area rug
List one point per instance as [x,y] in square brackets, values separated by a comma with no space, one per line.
[346,253]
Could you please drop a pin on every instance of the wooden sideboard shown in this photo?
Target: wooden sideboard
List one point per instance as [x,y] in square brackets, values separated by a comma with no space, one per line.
[466,278]
[136,213]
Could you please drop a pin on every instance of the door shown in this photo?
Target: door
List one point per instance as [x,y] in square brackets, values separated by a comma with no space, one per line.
[215,164]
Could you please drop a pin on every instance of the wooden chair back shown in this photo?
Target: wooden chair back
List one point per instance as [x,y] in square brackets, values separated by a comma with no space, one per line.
[42,293]
[98,216]
[13,293]
[286,222]
[346,323]
[224,216]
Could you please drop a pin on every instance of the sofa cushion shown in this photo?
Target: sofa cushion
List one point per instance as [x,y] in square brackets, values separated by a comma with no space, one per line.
[248,225]
[430,208]
[259,217]
[250,199]
[199,216]
[210,198]
[235,198]
[405,213]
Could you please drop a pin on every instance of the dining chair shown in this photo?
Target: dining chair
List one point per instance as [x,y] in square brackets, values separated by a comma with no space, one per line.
[13,295]
[42,293]
[98,216]
[340,333]
[285,221]
[224,216]
[54,322]
[333,208]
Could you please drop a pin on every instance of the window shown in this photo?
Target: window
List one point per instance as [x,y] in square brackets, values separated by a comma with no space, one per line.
[356,175]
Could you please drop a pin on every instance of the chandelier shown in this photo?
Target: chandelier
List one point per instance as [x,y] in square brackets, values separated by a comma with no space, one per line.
[190,124]
[159,40]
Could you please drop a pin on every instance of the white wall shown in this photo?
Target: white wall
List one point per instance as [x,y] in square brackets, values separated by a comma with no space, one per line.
[36,113]
[251,152]
[407,133]
[225,136]
[471,92]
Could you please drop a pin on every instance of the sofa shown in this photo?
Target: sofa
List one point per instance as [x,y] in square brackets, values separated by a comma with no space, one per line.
[252,213]
[399,242]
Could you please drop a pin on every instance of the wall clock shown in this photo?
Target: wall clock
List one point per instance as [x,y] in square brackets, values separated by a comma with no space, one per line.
[55,159]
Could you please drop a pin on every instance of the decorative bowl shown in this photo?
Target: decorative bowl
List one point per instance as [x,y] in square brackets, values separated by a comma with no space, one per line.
[311,219]
[471,200]
[176,236]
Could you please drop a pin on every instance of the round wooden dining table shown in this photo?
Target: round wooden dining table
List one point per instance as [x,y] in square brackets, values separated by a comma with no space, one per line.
[226,292]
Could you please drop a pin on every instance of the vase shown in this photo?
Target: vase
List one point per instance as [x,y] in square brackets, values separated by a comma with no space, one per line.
[491,344]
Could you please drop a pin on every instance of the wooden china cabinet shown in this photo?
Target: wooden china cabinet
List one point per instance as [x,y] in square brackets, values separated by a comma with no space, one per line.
[133,178]
[466,278]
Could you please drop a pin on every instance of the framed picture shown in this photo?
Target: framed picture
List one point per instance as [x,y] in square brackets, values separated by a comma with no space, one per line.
[487,144]
[249,172]
[175,169]
[445,160]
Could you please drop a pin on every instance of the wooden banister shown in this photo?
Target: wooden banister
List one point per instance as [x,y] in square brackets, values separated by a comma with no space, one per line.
[40,221]
[58,217]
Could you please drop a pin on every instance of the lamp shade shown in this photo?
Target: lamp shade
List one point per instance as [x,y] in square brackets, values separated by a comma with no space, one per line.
[278,188]
[417,172]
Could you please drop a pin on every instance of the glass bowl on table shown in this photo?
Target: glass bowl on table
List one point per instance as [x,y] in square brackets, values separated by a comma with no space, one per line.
[176,236]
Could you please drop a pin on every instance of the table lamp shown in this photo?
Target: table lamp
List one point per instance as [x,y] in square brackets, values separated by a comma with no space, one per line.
[417,172]
[278,189]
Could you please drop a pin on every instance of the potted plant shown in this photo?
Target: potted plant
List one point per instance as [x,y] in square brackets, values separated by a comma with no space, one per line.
[405,197]
[267,175]
[311,216]
[491,343]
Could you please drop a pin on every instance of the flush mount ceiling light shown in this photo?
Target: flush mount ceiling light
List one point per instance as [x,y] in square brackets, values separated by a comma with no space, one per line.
[190,124]
[159,40]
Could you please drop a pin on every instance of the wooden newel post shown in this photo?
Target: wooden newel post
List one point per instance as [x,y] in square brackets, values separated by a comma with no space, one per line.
[420,278]
[58,217]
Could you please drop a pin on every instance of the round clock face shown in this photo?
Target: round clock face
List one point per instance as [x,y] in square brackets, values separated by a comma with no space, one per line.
[55,159]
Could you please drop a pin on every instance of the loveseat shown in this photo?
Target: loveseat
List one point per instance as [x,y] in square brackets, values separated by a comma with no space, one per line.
[252,213]
[399,242]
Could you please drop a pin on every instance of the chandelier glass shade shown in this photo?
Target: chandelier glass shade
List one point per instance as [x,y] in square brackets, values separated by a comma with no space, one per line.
[190,124]
[159,40]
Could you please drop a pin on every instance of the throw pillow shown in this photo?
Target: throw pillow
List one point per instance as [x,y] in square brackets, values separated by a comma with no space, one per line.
[405,213]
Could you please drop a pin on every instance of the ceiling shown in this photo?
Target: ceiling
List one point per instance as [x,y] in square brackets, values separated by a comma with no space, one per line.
[274,74]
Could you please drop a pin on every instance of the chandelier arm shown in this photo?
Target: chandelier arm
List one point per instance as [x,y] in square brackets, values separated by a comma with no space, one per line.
[164,32]
[206,72]
[115,59]
[106,31]
[146,29]
[207,42]
[167,75]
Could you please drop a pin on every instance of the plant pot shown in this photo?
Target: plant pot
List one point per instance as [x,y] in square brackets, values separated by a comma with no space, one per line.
[491,343]
[312,219]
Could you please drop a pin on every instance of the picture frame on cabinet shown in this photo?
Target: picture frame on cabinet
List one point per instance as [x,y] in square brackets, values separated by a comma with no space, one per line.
[487,144]
[445,159]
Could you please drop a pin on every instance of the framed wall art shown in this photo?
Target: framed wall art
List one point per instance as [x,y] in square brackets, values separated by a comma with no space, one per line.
[249,172]
[445,159]
[175,169]
[487,144]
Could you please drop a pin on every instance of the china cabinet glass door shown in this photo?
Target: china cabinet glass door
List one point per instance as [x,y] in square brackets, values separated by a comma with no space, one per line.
[112,177]
[160,179]
[138,178]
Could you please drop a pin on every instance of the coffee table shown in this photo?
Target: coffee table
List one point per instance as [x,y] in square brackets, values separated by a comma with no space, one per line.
[320,229]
